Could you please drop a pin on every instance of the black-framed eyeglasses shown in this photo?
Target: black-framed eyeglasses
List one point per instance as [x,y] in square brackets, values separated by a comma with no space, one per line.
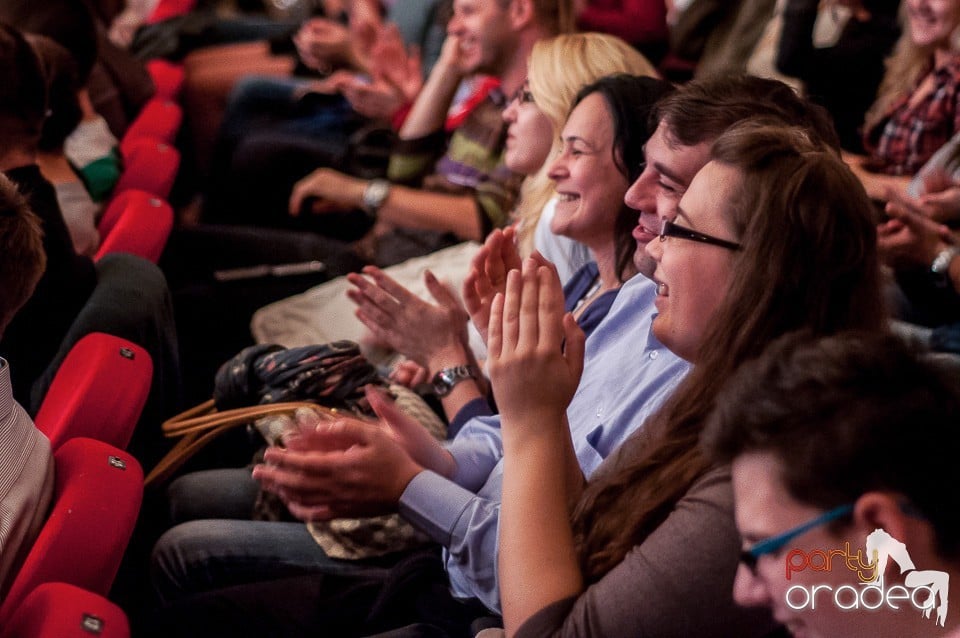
[672,229]
[774,544]
[522,95]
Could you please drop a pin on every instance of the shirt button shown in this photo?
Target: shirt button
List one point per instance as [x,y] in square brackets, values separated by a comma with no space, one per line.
[599,412]
[654,354]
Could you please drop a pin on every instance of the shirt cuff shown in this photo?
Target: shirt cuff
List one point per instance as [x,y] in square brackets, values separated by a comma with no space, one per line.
[434,504]
[472,409]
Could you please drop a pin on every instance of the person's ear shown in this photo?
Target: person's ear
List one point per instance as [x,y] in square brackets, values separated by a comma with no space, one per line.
[522,13]
[880,510]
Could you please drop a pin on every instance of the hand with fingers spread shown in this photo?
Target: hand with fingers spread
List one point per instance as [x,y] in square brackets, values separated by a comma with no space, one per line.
[419,330]
[488,275]
[391,62]
[351,467]
[535,351]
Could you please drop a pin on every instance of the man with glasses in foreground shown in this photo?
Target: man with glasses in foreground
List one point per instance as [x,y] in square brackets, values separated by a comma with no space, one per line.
[840,448]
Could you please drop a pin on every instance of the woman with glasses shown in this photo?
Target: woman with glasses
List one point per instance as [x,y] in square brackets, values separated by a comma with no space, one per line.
[844,443]
[773,234]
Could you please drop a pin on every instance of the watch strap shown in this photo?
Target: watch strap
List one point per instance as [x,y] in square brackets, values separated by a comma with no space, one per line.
[444,381]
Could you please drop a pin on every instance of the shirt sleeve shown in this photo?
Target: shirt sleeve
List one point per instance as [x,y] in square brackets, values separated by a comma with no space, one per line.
[466,524]
[683,574]
[415,158]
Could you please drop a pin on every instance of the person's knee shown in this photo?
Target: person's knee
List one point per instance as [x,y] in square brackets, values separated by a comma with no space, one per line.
[223,493]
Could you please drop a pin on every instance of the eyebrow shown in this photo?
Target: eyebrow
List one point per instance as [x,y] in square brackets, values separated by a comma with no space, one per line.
[576,138]
[673,177]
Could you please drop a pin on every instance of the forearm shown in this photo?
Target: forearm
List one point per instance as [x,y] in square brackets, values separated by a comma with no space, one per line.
[537,563]
[877,185]
[429,111]
[416,208]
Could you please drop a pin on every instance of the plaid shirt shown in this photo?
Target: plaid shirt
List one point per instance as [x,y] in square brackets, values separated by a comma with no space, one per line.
[911,134]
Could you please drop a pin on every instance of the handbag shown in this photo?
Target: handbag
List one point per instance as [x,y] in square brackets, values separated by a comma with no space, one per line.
[353,538]
[265,380]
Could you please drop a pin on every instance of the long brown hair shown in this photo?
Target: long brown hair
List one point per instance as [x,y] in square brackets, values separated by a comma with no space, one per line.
[809,261]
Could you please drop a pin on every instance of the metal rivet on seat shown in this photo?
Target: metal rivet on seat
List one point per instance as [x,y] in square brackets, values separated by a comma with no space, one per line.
[92,624]
[127,353]
[117,462]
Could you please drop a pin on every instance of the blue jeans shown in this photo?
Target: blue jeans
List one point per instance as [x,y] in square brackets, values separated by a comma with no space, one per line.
[216,545]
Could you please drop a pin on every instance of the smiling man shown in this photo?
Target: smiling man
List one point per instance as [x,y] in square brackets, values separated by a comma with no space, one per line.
[627,374]
[438,190]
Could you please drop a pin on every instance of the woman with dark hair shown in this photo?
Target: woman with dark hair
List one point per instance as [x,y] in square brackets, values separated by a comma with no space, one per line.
[773,234]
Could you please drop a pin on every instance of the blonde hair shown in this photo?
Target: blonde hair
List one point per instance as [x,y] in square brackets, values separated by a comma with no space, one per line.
[558,68]
[904,69]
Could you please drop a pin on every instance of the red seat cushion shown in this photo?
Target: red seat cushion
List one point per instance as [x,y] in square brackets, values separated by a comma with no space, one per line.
[96,499]
[59,610]
[98,392]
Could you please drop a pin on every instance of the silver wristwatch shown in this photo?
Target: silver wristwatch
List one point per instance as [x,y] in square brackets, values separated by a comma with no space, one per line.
[374,195]
[444,380]
[941,264]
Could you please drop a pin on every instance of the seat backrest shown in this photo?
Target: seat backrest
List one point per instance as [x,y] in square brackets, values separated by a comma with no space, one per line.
[167,76]
[149,165]
[136,222]
[96,499]
[159,119]
[59,610]
[98,392]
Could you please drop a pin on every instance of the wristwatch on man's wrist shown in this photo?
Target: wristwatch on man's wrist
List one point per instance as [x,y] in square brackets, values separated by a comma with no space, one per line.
[444,380]
[374,195]
[941,263]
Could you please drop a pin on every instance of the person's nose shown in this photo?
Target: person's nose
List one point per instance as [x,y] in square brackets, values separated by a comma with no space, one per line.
[749,590]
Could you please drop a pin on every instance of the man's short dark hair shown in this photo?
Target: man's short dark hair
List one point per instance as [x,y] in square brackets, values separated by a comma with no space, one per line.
[701,110]
[844,415]
[22,257]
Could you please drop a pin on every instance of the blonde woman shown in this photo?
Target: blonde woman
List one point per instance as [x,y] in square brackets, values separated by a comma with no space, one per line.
[557,70]
[916,109]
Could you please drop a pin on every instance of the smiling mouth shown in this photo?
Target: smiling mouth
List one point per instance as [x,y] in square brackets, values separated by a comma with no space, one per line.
[643,234]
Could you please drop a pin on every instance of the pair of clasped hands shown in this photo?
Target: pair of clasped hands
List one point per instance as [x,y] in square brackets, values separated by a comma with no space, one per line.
[349,467]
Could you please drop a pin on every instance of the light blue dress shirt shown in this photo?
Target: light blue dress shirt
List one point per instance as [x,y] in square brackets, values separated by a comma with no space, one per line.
[626,376]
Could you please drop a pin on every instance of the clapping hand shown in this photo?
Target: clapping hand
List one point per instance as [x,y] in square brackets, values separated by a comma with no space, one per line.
[535,349]
[488,275]
[405,322]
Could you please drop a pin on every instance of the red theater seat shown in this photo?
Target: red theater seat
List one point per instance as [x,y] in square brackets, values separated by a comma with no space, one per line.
[148,165]
[159,119]
[135,222]
[58,610]
[170,9]
[98,392]
[97,494]
[167,77]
